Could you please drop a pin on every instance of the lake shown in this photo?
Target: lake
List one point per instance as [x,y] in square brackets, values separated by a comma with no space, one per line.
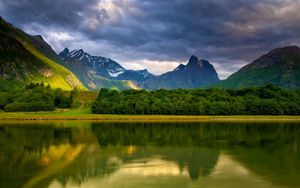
[69,154]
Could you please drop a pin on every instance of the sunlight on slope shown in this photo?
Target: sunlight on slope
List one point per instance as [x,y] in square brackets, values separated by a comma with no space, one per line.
[132,85]
[63,78]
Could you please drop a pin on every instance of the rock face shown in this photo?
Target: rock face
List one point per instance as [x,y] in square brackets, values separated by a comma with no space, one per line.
[281,67]
[135,75]
[99,72]
[197,73]
[102,66]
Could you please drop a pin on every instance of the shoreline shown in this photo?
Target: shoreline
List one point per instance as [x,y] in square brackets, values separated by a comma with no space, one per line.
[45,116]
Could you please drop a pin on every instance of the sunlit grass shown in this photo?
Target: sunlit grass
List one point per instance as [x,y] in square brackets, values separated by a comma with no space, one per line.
[63,78]
[85,114]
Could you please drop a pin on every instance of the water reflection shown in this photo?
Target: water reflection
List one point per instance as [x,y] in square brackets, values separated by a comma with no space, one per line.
[87,154]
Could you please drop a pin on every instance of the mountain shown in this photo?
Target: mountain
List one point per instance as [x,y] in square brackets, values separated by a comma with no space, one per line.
[95,71]
[197,73]
[22,62]
[104,67]
[281,67]
[41,45]
[135,75]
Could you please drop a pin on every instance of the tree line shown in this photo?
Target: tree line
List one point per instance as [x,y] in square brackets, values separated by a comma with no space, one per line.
[266,100]
[36,97]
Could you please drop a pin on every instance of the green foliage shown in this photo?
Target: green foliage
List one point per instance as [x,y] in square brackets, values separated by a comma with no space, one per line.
[4,100]
[36,97]
[267,100]
[29,106]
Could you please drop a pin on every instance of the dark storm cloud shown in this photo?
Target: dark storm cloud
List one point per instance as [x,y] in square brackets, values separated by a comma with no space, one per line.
[46,12]
[224,31]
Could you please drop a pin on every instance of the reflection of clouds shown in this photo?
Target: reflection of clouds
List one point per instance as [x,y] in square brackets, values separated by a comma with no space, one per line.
[153,167]
[227,164]
[228,171]
[155,172]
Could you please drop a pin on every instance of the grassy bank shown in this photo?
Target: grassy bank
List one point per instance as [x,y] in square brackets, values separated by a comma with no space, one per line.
[85,114]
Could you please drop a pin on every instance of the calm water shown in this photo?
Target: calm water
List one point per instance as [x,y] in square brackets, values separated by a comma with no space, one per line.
[87,154]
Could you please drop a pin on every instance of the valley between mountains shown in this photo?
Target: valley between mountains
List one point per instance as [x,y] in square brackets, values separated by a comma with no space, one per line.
[28,59]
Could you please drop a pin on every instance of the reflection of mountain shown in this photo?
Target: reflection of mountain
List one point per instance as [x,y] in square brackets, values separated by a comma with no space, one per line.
[163,152]
[278,164]
[199,162]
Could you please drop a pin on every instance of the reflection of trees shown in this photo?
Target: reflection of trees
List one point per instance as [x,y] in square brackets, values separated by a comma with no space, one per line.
[280,166]
[276,156]
[266,149]
[195,134]
[199,163]
[21,148]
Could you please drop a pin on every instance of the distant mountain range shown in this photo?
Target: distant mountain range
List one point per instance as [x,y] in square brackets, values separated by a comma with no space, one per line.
[25,58]
[97,72]
[92,68]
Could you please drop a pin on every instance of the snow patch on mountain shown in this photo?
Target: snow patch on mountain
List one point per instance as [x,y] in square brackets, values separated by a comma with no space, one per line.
[115,74]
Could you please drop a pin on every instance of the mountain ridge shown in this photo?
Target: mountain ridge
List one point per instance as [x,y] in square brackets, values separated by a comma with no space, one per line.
[197,73]
[95,71]
[25,58]
[23,63]
[280,66]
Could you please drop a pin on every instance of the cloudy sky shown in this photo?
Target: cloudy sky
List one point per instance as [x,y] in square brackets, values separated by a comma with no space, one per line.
[160,34]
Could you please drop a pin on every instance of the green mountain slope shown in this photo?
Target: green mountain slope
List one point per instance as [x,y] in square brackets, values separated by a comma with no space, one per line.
[280,67]
[21,63]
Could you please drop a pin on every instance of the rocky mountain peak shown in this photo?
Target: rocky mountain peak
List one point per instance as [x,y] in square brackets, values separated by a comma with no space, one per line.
[193,59]
[194,62]
[197,73]
[76,53]
[64,53]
